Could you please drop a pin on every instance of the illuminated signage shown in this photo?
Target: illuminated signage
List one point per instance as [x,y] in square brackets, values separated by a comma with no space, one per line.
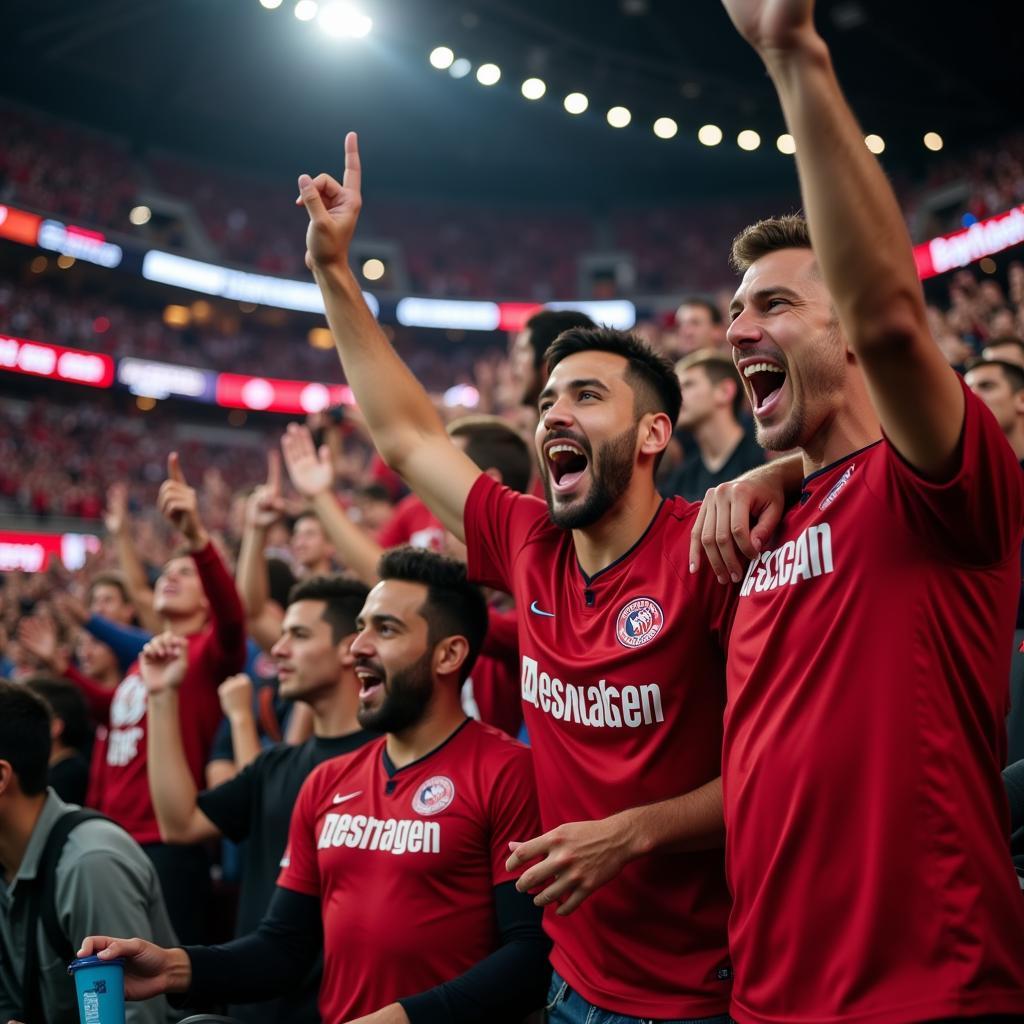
[164,380]
[269,394]
[90,246]
[18,355]
[19,226]
[985,238]
[32,552]
[448,314]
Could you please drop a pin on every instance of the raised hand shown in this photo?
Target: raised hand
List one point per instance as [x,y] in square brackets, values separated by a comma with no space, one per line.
[266,504]
[149,969]
[311,471]
[163,662]
[235,695]
[115,517]
[178,504]
[772,24]
[333,210]
[39,637]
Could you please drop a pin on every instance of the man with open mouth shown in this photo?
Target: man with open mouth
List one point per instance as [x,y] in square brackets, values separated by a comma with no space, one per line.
[867,831]
[621,650]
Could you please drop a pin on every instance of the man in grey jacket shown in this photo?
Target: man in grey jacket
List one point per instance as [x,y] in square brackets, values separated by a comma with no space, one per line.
[103,881]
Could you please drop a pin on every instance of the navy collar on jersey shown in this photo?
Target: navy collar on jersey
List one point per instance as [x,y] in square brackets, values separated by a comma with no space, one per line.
[839,462]
[389,765]
[611,565]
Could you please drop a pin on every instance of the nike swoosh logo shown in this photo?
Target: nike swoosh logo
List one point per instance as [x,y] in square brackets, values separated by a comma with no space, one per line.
[338,799]
[538,611]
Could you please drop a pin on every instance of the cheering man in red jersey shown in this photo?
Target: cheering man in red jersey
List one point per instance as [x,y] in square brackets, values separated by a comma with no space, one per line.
[397,850]
[621,650]
[867,829]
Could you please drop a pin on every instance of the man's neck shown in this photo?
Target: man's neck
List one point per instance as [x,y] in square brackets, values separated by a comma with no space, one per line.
[335,714]
[16,830]
[850,428]
[717,438]
[441,719]
[1016,439]
[321,568]
[618,530]
[186,625]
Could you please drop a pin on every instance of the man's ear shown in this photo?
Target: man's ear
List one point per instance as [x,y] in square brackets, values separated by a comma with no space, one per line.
[7,777]
[656,433]
[56,728]
[449,655]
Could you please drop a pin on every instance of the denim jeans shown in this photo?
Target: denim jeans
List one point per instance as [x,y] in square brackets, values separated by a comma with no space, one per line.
[568,1007]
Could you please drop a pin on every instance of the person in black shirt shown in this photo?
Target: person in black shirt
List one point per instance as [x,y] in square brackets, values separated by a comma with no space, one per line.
[314,667]
[70,738]
[712,402]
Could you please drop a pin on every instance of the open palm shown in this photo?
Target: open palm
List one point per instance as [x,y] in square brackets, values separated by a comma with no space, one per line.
[771,24]
[333,209]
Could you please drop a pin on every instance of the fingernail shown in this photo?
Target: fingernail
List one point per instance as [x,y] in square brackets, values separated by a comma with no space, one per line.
[735,577]
[693,567]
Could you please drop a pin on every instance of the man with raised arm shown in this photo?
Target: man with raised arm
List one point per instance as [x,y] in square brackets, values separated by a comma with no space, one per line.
[316,669]
[867,830]
[621,651]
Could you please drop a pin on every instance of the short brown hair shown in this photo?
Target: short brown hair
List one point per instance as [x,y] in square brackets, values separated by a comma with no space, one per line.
[769,235]
[718,367]
[110,578]
[492,444]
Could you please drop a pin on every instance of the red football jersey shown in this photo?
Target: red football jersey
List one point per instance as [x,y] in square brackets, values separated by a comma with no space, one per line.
[623,687]
[867,827]
[493,685]
[412,523]
[405,862]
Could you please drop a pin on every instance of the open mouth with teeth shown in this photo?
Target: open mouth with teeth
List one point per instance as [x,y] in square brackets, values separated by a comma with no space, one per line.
[567,462]
[766,381]
[372,681]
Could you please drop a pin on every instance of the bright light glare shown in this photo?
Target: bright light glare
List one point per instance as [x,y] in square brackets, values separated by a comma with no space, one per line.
[710,135]
[271,5]
[665,128]
[576,103]
[373,269]
[460,68]
[140,215]
[344,21]
[786,144]
[305,10]
[534,88]
[488,74]
[933,141]
[875,143]
[441,57]
[748,140]
[619,117]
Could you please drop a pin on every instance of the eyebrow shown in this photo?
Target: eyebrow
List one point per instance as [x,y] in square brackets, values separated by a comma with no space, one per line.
[576,385]
[380,620]
[763,293]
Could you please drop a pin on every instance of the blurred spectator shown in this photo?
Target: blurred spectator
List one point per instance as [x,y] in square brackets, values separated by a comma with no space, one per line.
[71,737]
[698,326]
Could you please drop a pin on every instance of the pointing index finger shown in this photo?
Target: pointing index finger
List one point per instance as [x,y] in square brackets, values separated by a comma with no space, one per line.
[353,168]
[174,471]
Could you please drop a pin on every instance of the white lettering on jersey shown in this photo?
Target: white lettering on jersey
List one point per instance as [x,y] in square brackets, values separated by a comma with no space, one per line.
[126,711]
[810,555]
[388,835]
[123,746]
[601,706]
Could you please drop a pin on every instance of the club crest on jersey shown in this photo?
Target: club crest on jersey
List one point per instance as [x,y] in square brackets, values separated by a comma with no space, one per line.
[639,622]
[434,795]
[836,488]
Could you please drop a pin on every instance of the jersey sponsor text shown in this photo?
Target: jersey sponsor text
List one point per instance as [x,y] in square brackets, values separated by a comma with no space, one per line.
[810,555]
[389,835]
[599,706]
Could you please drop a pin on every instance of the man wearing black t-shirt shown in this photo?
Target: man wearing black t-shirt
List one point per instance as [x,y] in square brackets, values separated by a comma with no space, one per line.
[315,667]
[712,402]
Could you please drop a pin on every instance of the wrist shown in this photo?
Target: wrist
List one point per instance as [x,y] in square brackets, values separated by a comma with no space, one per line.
[803,48]
[197,539]
[630,835]
[240,717]
[337,277]
[178,972]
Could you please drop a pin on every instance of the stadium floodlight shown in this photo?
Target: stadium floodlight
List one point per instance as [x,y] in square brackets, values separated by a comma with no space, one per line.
[442,57]
[933,141]
[748,140]
[534,88]
[140,215]
[785,143]
[666,128]
[576,103]
[709,135]
[875,143]
[344,20]
[306,10]
[488,74]
[619,117]
[373,269]
[271,5]
[460,68]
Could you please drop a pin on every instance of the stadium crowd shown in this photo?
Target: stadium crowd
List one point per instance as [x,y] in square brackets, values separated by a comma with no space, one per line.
[371,607]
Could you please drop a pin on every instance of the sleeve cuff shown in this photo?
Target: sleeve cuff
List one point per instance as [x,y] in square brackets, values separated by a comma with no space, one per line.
[425,1008]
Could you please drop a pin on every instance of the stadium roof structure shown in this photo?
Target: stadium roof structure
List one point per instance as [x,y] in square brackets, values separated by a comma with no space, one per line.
[236,82]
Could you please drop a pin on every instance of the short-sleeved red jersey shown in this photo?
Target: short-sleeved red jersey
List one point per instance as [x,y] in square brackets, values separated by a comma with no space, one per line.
[622,681]
[405,862]
[867,829]
[412,523]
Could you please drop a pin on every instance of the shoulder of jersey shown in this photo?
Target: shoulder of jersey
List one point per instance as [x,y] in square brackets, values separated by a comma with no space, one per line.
[498,741]
[325,772]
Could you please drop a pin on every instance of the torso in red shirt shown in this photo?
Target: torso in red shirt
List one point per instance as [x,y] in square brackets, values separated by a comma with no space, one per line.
[405,862]
[412,523]
[622,681]
[866,821]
